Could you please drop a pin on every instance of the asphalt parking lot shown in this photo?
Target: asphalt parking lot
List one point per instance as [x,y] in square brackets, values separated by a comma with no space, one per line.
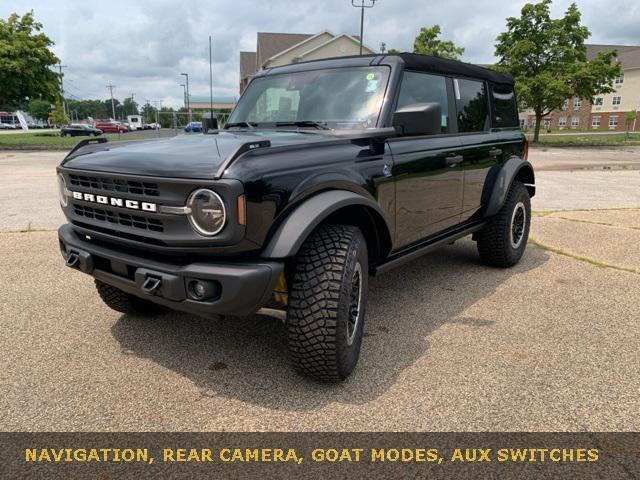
[450,345]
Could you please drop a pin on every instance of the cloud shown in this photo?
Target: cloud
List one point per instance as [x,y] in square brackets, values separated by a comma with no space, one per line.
[143,46]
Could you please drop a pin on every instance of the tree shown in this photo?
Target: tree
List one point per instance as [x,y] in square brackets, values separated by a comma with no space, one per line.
[89,108]
[166,117]
[25,62]
[108,109]
[630,120]
[148,112]
[548,60]
[393,51]
[129,106]
[58,116]
[427,43]
[39,109]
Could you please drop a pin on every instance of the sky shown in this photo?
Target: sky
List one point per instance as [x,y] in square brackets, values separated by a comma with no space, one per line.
[142,46]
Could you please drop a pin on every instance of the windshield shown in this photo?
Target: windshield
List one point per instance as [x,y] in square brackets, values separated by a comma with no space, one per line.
[340,98]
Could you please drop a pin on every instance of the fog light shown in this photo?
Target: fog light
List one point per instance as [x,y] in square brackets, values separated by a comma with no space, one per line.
[199,289]
[202,289]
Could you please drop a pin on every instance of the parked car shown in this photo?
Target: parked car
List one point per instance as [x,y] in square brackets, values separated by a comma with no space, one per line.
[288,211]
[111,127]
[8,126]
[152,126]
[193,127]
[79,129]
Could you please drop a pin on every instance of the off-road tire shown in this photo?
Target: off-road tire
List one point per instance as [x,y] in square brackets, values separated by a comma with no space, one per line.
[123,302]
[324,340]
[496,240]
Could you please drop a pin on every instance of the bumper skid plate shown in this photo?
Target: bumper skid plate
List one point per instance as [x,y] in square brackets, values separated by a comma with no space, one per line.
[239,288]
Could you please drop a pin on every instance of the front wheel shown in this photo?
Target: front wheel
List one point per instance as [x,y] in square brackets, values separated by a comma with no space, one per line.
[123,302]
[503,241]
[327,302]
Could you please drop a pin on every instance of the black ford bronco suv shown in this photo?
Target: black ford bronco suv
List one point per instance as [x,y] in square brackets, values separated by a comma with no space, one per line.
[326,172]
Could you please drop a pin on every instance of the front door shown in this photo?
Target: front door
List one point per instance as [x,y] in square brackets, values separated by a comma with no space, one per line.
[427,169]
[429,185]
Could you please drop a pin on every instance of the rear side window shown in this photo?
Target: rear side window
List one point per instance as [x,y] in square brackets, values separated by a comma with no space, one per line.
[424,88]
[505,110]
[471,105]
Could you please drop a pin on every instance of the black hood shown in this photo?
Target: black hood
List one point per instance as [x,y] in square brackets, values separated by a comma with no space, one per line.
[183,156]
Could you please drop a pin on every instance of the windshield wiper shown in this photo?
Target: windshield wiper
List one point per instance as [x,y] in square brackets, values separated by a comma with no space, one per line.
[303,123]
[248,125]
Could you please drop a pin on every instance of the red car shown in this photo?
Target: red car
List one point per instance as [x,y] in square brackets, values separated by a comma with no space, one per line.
[111,127]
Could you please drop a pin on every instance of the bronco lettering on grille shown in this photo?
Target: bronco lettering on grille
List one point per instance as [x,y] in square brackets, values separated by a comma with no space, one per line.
[115,202]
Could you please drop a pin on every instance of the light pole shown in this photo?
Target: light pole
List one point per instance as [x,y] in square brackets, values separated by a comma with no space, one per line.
[186,75]
[362,5]
[184,94]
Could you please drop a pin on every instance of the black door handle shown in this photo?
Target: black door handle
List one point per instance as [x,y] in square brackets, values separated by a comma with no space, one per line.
[454,160]
[494,152]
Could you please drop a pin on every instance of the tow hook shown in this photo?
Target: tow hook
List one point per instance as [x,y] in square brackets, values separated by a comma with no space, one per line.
[151,285]
[72,259]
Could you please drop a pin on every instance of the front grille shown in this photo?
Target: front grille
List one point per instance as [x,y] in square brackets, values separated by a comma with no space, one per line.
[119,218]
[115,185]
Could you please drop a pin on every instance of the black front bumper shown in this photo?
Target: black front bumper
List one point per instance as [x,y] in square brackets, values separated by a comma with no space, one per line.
[244,287]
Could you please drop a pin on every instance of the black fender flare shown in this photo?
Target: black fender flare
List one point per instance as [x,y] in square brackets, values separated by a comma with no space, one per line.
[504,177]
[294,230]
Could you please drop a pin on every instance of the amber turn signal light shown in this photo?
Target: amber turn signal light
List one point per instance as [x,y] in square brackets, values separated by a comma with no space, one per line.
[242,213]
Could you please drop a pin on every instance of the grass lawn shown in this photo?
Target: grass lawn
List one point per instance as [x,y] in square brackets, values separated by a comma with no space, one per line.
[586,140]
[52,141]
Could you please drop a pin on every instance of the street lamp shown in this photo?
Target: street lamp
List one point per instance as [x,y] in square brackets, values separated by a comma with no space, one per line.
[186,75]
[184,94]
[362,5]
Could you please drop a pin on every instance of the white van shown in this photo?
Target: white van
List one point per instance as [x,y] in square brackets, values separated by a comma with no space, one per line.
[135,122]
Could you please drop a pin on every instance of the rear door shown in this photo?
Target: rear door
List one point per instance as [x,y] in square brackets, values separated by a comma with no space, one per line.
[480,149]
[427,169]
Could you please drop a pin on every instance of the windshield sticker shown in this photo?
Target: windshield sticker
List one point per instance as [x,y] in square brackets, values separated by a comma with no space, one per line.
[371,76]
[372,86]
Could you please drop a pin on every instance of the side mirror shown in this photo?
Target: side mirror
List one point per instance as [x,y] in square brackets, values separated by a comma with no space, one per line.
[418,119]
[209,122]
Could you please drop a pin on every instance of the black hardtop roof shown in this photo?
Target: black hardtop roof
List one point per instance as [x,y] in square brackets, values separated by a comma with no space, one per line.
[412,61]
[426,63]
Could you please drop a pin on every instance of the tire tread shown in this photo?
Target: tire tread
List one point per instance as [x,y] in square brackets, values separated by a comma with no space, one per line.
[312,318]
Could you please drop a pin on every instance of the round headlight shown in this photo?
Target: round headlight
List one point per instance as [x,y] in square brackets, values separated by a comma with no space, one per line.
[62,190]
[207,213]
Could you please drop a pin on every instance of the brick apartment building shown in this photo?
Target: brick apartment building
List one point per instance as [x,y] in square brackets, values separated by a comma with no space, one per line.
[607,111]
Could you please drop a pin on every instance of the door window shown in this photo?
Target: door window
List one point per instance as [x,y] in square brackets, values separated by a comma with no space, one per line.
[505,110]
[424,88]
[471,105]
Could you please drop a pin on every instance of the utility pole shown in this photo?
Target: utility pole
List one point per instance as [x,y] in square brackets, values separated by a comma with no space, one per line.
[186,75]
[362,5]
[64,105]
[113,107]
[132,103]
[158,107]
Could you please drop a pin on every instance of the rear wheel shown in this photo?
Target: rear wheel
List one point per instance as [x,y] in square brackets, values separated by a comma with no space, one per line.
[327,302]
[123,302]
[503,241]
